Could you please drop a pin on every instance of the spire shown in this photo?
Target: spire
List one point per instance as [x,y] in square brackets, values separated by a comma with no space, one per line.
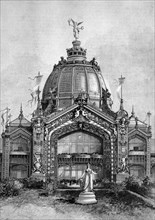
[21,110]
[120,92]
[21,114]
[133,112]
[121,105]
[149,115]
[38,94]
[121,81]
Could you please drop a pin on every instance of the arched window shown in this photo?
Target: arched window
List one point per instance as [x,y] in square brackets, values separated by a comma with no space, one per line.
[79,142]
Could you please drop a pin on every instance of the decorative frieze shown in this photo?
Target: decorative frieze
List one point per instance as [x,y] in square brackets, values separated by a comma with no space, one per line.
[87,115]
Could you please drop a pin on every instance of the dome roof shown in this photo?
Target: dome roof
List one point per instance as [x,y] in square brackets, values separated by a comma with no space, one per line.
[73,76]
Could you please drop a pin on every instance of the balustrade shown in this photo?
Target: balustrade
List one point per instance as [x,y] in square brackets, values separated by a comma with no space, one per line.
[64,159]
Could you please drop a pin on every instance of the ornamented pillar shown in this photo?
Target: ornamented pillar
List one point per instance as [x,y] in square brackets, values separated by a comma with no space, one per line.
[45,160]
[148,158]
[112,161]
[113,155]
[122,130]
[122,146]
[55,167]
[38,169]
[5,155]
[52,165]
[148,152]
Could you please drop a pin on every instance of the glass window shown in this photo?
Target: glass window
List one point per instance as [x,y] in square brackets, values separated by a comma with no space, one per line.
[79,142]
[80,82]
[93,83]
[18,171]
[19,144]
[137,144]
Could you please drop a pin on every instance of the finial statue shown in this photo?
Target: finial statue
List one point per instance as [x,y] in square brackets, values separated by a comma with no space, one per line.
[76,28]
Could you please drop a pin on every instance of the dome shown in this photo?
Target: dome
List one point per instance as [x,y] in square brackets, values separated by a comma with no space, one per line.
[73,76]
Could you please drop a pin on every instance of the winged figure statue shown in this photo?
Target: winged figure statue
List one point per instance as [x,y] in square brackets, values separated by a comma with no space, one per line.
[76,28]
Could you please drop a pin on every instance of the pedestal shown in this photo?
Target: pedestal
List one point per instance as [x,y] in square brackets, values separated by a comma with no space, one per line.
[86,198]
[39,176]
[121,177]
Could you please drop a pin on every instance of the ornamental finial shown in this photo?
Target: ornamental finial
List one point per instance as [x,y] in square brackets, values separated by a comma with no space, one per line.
[76,28]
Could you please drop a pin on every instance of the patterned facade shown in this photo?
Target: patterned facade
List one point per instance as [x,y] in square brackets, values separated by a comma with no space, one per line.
[74,125]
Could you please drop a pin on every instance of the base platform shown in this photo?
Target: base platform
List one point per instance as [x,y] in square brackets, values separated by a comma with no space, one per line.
[86,198]
[39,176]
[121,177]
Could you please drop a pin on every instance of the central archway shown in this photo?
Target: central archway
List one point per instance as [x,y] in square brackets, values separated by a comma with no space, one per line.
[91,143]
[80,146]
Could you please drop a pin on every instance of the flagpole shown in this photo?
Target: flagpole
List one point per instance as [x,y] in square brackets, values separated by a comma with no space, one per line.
[38,91]
[7,114]
[121,81]
[5,121]
[121,89]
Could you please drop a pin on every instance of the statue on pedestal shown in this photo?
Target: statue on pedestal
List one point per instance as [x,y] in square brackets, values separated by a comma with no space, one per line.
[87,196]
[37,163]
[76,28]
[87,179]
[124,165]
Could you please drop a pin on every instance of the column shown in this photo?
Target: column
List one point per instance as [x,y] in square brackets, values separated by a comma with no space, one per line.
[5,156]
[148,159]
[38,143]
[112,160]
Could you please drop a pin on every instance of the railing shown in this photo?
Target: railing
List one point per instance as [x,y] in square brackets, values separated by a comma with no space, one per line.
[79,159]
[19,152]
[133,162]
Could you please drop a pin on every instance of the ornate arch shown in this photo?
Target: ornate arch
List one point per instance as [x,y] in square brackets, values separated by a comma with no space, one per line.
[105,135]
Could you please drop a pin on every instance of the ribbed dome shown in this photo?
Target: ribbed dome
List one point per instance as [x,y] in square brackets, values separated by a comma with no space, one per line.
[73,76]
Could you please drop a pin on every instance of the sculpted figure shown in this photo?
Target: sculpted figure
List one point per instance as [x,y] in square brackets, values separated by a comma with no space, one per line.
[51,101]
[87,179]
[76,28]
[37,164]
[124,165]
[62,61]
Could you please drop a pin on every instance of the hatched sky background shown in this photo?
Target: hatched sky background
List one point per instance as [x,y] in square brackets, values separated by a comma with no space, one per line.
[119,34]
